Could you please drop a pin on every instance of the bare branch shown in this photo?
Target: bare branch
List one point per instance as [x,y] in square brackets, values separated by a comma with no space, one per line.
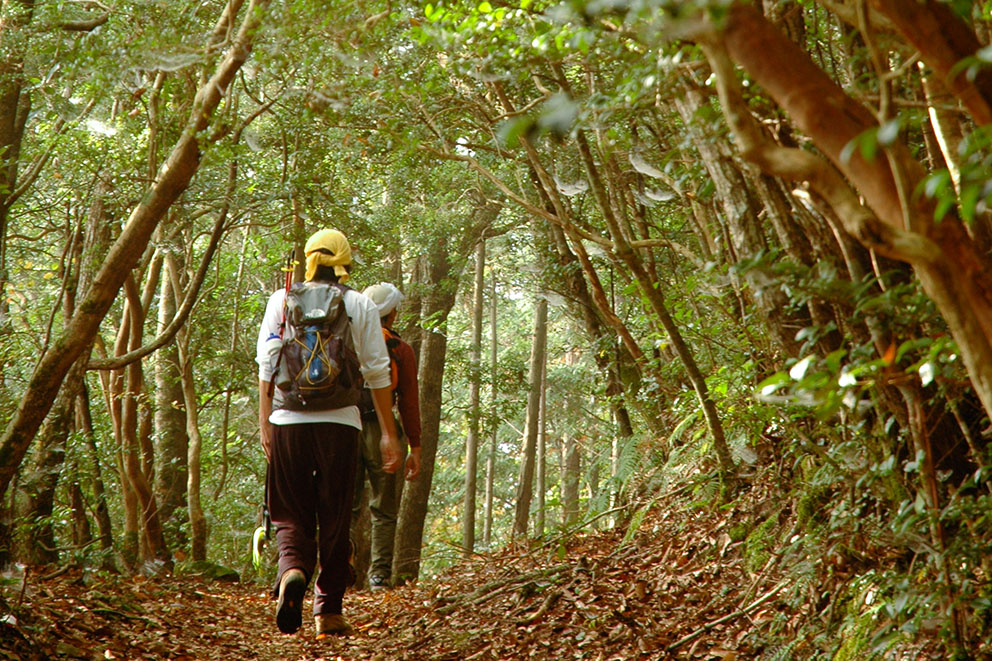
[85,25]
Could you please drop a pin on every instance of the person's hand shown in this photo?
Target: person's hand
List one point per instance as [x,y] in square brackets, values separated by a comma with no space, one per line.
[391,457]
[413,464]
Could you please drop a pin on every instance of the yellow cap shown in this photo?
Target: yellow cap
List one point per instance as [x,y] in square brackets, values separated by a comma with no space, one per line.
[333,242]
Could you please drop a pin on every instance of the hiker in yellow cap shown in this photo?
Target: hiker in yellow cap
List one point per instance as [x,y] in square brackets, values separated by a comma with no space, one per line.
[315,338]
[328,248]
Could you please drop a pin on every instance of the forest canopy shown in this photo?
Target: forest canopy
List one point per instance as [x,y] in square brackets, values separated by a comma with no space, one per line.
[641,242]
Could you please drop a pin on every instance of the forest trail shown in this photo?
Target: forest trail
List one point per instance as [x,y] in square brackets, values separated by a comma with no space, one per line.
[673,585]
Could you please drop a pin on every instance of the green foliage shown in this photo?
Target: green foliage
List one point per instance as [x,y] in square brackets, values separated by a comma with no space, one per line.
[759,543]
[350,118]
[975,183]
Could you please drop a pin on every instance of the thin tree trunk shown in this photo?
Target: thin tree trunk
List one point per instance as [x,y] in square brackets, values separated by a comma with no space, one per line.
[570,481]
[15,103]
[435,305]
[82,533]
[40,482]
[542,451]
[474,412]
[525,480]
[487,531]
[235,336]
[586,306]
[153,541]
[101,510]
[112,384]
[87,244]
[197,520]
[744,230]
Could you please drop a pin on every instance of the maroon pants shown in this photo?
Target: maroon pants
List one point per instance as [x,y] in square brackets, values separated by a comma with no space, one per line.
[311,480]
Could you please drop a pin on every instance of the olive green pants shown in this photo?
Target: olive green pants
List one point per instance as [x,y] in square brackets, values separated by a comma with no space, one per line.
[384,495]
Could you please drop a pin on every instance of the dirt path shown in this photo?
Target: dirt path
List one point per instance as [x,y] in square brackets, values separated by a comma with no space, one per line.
[675,587]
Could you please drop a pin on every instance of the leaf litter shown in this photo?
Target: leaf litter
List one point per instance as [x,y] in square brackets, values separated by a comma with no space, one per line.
[676,587]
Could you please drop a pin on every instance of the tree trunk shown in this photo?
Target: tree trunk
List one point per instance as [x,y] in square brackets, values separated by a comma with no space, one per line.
[171,440]
[152,539]
[439,279]
[437,303]
[585,306]
[744,230]
[542,450]
[474,410]
[82,533]
[15,104]
[570,481]
[525,480]
[86,245]
[101,510]
[944,40]
[197,520]
[487,530]
[233,347]
[39,483]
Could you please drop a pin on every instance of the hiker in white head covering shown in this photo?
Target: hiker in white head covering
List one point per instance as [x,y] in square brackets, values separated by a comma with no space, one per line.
[385,296]
[383,503]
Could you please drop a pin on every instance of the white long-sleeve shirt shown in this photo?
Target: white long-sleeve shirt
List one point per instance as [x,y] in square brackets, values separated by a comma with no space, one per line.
[366,332]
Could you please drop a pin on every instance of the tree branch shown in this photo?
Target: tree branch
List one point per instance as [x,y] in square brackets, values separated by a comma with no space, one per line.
[800,165]
[86,24]
[189,301]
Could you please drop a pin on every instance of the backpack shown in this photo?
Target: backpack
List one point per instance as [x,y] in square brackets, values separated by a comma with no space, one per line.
[317,368]
[365,405]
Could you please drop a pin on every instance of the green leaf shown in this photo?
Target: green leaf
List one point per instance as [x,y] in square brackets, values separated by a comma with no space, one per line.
[869,145]
[848,151]
[943,206]
[485,8]
[509,132]
[889,131]
[771,384]
[969,202]
[911,345]
[833,359]
[937,183]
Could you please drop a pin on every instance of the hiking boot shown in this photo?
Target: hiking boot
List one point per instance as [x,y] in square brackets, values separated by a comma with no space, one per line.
[377,583]
[332,625]
[289,609]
